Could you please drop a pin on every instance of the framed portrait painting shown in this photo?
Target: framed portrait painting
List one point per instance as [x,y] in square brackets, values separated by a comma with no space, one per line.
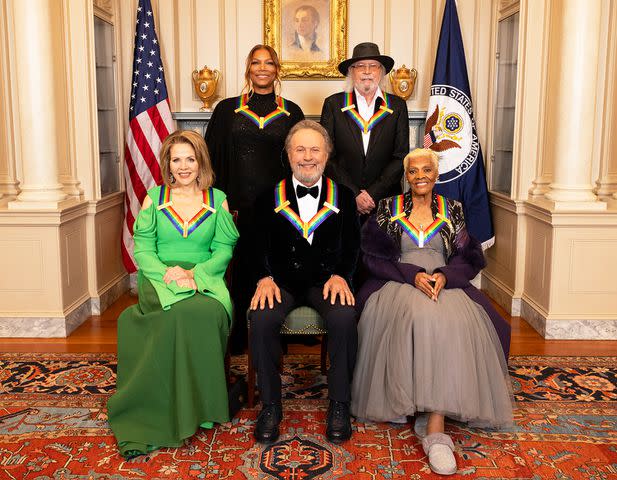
[310,36]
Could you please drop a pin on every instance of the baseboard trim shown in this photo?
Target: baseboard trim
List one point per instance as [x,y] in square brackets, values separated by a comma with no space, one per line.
[110,293]
[502,294]
[551,327]
[61,326]
[46,327]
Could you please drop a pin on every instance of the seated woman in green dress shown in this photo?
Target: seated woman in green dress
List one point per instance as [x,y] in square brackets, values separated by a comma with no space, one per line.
[171,345]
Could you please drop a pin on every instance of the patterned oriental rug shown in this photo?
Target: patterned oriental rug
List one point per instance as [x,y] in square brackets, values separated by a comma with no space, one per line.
[53,426]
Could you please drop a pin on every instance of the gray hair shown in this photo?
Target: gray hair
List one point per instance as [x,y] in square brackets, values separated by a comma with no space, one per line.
[308,125]
[348,88]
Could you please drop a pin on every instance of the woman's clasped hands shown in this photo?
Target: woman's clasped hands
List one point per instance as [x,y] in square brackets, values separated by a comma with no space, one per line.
[431,285]
[183,278]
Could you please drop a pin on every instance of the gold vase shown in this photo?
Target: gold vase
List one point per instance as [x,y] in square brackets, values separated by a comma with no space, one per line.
[205,82]
[403,81]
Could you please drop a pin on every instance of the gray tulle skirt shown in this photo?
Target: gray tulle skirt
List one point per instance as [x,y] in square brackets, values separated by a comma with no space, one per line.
[417,355]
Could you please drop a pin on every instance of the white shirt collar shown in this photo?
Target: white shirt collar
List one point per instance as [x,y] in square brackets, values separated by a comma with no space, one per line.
[307,205]
[366,111]
[361,100]
[305,42]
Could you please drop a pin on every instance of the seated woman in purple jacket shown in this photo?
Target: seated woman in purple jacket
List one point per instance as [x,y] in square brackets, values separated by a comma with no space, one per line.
[429,341]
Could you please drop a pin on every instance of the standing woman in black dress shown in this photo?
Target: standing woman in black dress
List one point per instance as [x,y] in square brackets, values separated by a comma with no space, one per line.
[245,138]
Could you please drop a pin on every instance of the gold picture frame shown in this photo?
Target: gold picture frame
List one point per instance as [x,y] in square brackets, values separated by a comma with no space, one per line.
[310,36]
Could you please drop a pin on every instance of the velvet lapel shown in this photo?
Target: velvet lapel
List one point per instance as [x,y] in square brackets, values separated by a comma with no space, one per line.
[291,196]
[286,226]
[318,234]
[354,130]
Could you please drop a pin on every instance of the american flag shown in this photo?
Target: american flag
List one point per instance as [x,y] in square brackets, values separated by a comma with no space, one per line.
[149,123]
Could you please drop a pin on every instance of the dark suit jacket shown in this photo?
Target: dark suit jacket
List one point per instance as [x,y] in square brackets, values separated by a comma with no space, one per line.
[294,263]
[380,171]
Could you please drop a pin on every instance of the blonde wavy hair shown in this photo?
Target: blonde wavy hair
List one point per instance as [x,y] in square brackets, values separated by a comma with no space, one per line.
[205,175]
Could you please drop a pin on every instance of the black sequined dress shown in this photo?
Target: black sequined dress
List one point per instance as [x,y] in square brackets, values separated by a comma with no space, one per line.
[247,161]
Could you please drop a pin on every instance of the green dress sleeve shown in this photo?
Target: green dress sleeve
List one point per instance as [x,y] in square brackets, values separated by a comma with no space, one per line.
[208,275]
[144,233]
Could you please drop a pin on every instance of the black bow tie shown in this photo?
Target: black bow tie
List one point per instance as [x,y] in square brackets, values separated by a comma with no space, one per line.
[302,191]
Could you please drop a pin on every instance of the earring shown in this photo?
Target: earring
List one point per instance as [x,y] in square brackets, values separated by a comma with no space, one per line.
[172,179]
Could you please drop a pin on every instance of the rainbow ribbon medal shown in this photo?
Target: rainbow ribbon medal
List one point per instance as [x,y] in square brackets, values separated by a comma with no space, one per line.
[261,122]
[183,226]
[330,206]
[378,116]
[418,235]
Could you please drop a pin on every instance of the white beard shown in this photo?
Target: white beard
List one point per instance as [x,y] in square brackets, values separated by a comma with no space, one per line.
[308,178]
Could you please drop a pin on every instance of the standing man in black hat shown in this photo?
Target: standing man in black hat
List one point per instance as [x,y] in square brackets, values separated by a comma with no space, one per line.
[369,129]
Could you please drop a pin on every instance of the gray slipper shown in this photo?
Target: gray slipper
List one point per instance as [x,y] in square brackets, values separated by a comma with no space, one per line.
[439,449]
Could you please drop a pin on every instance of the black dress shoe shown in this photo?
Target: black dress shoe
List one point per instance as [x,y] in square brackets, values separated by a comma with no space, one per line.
[338,428]
[267,427]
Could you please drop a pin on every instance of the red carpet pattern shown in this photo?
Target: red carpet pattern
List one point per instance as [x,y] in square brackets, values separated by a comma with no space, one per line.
[53,426]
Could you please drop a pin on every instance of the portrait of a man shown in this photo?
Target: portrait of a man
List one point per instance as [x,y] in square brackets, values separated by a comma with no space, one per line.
[310,36]
[306,21]
[305,30]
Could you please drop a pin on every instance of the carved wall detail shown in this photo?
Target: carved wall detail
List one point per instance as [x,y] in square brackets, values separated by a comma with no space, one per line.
[508,7]
[105,6]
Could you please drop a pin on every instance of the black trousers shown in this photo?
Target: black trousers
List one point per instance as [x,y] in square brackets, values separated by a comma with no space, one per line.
[340,321]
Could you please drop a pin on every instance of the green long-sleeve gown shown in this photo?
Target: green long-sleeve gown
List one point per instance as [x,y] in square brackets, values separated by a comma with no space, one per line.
[171,345]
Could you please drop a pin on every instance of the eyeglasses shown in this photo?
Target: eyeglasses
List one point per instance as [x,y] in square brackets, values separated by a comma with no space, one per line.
[363,66]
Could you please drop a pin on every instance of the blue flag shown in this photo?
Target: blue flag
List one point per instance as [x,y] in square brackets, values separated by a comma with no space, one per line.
[451,131]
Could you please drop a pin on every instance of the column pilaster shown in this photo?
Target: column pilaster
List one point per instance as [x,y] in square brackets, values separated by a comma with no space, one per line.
[9,144]
[576,37]
[606,186]
[35,87]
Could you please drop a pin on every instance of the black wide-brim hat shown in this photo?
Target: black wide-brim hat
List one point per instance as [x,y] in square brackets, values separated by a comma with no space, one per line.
[366,51]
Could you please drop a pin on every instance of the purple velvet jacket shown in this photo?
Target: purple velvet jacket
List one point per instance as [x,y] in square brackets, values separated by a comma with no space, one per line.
[381,251]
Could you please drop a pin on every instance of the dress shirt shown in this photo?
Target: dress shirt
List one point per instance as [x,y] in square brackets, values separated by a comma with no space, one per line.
[366,111]
[305,43]
[307,205]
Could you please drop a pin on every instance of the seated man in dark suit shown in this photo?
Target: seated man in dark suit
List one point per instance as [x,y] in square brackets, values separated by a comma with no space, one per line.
[308,247]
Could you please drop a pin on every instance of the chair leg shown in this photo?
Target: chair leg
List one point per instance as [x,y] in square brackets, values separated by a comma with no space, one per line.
[324,354]
[251,374]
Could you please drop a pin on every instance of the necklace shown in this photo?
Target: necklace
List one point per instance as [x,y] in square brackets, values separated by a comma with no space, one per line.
[261,122]
[420,236]
[378,116]
[186,227]
[330,206]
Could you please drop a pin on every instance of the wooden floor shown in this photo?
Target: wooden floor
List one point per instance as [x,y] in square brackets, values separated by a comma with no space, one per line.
[98,334]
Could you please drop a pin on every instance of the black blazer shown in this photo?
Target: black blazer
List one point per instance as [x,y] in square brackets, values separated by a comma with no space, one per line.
[295,264]
[380,171]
